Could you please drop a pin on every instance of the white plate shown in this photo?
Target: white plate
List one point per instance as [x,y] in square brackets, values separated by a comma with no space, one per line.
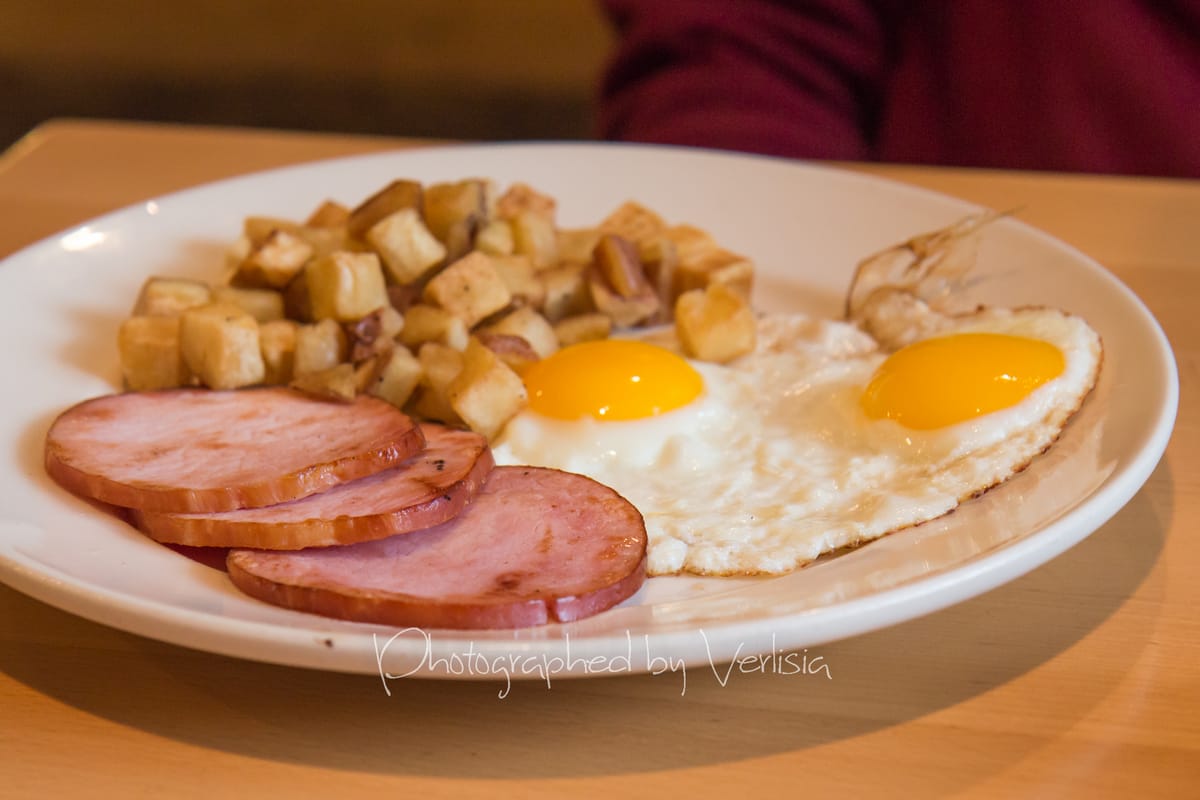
[805,226]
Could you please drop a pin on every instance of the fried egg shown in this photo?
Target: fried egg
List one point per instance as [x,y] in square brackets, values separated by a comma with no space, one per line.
[815,441]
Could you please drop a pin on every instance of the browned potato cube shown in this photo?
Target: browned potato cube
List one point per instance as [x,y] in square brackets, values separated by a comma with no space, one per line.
[330,214]
[276,260]
[702,262]
[495,238]
[519,276]
[170,297]
[374,334]
[324,241]
[567,292]
[661,259]
[626,312]
[220,346]
[618,283]
[514,351]
[530,326]
[715,323]
[339,382]
[346,286]
[439,367]
[534,236]
[455,211]
[150,354]
[238,252]
[296,303]
[575,245]
[405,245]
[424,323]
[522,197]
[470,288]
[257,229]
[486,393]
[277,342]
[398,377]
[319,346]
[388,200]
[617,262]
[262,304]
[583,328]
[635,222]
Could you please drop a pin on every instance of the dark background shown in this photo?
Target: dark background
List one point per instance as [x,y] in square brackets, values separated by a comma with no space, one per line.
[464,69]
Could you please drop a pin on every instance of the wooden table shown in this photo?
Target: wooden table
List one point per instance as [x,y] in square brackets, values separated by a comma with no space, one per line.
[1081,679]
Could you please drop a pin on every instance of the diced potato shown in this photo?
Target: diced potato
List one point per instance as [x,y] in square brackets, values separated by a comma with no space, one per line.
[575,245]
[495,238]
[257,229]
[715,323]
[330,214]
[374,334]
[530,326]
[522,197]
[150,354]
[514,351]
[486,393]
[170,297]
[440,365]
[583,328]
[220,346]
[319,346]
[264,305]
[236,254]
[661,259]
[470,288]
[339,382]
[635,222]
[297,304]
[567,291]
[616,260]
[388,200]
[534,236]
[274,262]
[405,245]
[425,323]
[702,262]
[455,211]
[324,241]
[522,281]
[277,342]
[398,377]
[618,283]
[625,312]
[346,286]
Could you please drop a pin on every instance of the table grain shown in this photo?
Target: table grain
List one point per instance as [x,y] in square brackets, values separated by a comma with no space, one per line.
[1081,679]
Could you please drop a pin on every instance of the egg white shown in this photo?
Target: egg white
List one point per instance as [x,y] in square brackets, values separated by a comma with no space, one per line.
[776,463]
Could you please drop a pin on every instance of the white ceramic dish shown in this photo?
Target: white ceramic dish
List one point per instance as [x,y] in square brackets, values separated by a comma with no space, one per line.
[806,226]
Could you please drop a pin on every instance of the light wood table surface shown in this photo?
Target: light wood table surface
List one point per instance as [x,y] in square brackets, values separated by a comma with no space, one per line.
[1081,679]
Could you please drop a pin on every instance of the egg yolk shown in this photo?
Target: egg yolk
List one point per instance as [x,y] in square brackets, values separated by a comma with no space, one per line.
[951,379]
[612,379]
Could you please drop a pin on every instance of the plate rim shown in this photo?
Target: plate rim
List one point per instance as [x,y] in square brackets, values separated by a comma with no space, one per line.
[917,597]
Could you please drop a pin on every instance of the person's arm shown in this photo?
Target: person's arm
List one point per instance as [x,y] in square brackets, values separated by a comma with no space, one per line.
[783,77]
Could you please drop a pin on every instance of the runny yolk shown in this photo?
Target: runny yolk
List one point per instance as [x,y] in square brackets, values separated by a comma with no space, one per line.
[951,379]
[613,379]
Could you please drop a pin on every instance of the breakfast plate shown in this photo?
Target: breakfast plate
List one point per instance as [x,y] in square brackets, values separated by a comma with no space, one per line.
[805,226]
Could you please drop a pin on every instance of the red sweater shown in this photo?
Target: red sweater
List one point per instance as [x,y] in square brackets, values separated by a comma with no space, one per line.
[1095,86]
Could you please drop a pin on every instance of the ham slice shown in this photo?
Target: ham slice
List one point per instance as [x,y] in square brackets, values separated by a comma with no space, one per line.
[424,491]
[535,545]
[197,450]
